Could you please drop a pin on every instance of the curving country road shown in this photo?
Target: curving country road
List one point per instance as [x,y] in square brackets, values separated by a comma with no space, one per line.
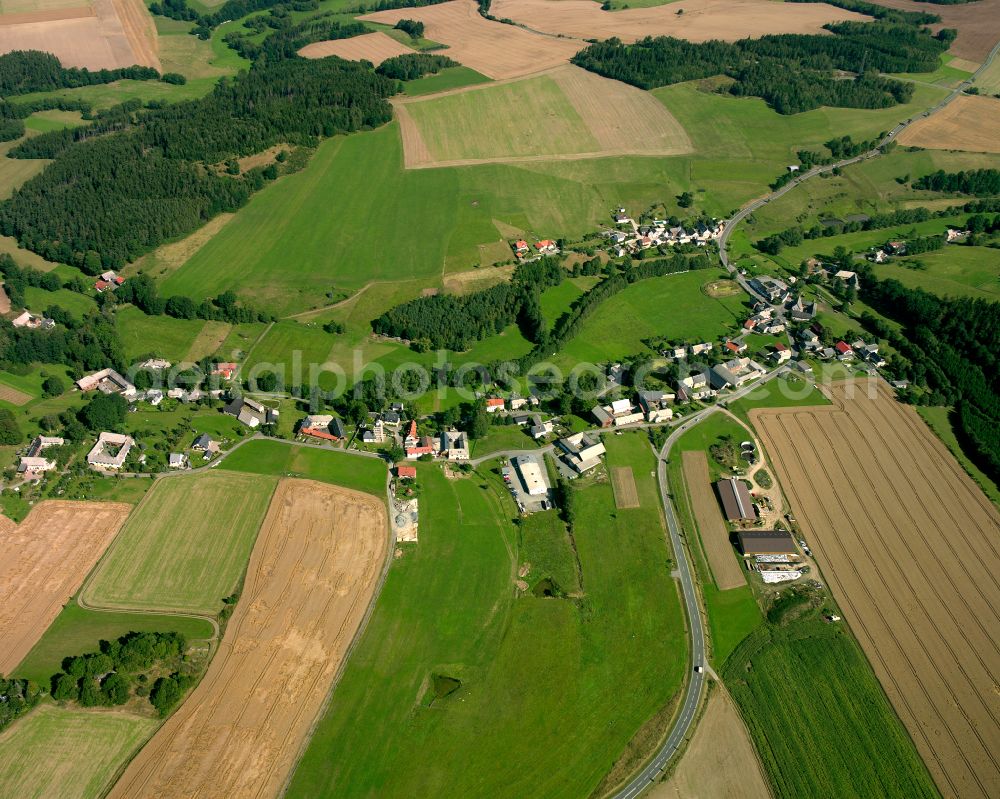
[682,723]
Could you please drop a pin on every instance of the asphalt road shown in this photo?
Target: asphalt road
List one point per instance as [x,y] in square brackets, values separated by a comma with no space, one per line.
[688,711]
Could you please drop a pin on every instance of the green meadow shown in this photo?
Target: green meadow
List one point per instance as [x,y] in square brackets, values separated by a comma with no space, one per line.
[77,630]
[673,306]
[561,683]
[955,271]
[446,79]
[819,720]
[185,547]
[68,753]
[781,392]
[163,336]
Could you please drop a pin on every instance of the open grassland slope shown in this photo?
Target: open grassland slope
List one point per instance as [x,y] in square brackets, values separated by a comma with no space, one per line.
[702,19]
[68,753]
[106,34]
[565,113]
[44,561]
[561,683]
[909,546]
[491,48]
[375,47]
[726,571]
[720,761]
[311,578]
[966,123]
[185,547]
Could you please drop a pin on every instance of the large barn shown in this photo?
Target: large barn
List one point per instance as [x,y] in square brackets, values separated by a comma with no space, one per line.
[737,504]
[766,542]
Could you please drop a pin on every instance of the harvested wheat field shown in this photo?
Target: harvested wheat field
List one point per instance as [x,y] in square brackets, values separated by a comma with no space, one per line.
[562,114]
[720,762]
[375,47]
[977,23]
[711,528]
[106,34]
[966,123]
[910,547]
[702,19]
[312,575]
[491,48]
[623,483]
[44,561]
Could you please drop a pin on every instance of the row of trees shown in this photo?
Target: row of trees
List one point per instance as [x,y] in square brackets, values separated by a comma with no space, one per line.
[455,322]
[792,72]
[118,671]
[952,341]
[122,194]
[977,182]
[24,71]
[286,42]
[880,12]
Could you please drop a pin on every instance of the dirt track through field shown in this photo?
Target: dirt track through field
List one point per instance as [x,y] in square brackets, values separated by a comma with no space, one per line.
[911,549]
[711,528]
[702,19]
[623,483]
[491,48]
[311,577]
[375,47]
[966,123]
[43,562]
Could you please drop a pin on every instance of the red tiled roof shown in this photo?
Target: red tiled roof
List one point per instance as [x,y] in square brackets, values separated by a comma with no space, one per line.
[100,285]
[406,472]
[733,346]
[318,432]
[780,347]
[494,402]
[842,347]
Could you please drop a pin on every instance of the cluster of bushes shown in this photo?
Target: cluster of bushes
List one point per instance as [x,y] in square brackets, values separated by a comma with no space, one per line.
[977,182]
[950,344]
[122,194]
[791,72]
[414,65]
[16,698]
[141,291]
[411,26]
[119,671]
[450,322]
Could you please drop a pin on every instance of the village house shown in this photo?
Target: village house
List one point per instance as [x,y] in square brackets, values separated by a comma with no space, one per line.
[206,444]
[734,373]
[33,464]
[516,403]
[226,371]
[454,445]
[698,349]
[656,406]
[896,247]
[29,321]
[849,278]
[424,445]
[494,404]
[953,235]
[735,347]
[250,412]
[108,281]
[521,247]
[410,438]
[323,426]
[110,451]
[774,290]
[801,311]
[155,364]
[107,381]
[621,217]
[878,255]
[844,351]
[178,460]
[547,247]
[404,472]
[540,429]
[618,413]
[581,452]
[694,387]
[781,353]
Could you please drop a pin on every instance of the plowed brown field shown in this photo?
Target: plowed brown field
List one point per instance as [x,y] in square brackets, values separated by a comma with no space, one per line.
[702,19]
[375,47]
[43,562]
[711,528]
[491,48]
[966,123]
[311,577]
[911,549]
[623,484]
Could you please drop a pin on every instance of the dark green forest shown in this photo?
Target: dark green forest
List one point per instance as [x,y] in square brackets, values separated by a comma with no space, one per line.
[791,72]
[24,71]
[950,344]
[107,200]
[414,65]
[977,182]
